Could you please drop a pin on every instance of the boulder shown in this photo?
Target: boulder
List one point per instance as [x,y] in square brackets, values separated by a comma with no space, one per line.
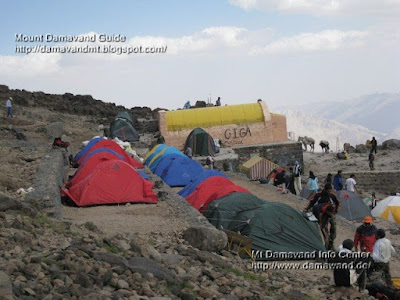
[143,266]
[206,238]
[361,148]
[54,130]
[6,292]
[391,144]
[7,203]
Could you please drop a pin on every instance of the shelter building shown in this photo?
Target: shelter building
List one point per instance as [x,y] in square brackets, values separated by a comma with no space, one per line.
[234,125]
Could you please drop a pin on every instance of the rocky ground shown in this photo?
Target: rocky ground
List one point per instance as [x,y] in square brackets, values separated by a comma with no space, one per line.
[127,251]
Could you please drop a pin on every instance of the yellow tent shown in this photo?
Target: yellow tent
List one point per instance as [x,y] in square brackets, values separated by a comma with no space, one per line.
[388,208]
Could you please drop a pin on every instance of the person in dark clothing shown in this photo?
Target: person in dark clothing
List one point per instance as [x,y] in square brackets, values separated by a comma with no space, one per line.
[290,181]
[328,180]
[320,202]
[346,274]
[338,181]
[365,235]
[374,145]
[160,139]
[371,158]
[279,178]
[218,102]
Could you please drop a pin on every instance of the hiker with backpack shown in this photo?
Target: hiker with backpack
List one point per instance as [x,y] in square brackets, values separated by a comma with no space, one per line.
[320,204]
[298,171]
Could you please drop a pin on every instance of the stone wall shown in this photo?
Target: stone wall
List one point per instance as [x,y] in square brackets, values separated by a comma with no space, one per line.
[272,129]
[283,154]
[49,180]
[367,182]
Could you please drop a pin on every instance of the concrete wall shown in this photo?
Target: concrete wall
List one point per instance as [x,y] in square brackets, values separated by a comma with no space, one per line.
[273,129]
[283,154]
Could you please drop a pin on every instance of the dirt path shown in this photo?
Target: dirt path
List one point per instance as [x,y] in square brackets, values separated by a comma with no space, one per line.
[139,219]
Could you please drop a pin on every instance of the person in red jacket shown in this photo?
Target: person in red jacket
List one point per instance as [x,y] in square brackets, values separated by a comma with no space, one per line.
[365,236]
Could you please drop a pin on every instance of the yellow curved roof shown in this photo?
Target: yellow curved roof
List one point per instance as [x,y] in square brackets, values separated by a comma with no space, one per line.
[214,116]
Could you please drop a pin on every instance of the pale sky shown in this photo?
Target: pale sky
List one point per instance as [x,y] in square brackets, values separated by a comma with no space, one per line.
[282,51]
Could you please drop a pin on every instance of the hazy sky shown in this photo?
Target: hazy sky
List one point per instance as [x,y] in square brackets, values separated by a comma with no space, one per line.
[282,51]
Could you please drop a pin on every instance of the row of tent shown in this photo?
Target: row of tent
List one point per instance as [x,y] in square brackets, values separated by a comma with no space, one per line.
[271,226]
[108,175]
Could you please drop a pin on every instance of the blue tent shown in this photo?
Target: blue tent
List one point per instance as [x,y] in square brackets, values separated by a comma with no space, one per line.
[188,189]
[156,151]
[177,169]
[103,150]
[163,153]
[87,148]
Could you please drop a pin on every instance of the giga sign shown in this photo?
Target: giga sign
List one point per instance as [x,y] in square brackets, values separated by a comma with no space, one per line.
[235,133]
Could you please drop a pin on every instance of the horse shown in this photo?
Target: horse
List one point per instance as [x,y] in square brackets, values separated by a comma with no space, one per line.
[325,146]
[307,141]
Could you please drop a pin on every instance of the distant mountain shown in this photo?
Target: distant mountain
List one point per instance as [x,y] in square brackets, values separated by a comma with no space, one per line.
[379,111]
[303,123]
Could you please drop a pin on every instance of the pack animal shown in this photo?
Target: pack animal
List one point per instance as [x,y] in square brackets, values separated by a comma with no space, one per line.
[325,146]
[307,141]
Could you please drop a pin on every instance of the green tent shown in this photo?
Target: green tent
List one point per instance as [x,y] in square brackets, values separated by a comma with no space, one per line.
[201,143]
[122,128]
[271,225]
[124,115]
[221,212]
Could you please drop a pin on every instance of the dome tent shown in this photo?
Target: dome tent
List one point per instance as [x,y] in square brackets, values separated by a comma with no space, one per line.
[201,143]
[122,127]
[353,207]
[112,182]
[211,189]
[271,226]
[177,170]
[388,208]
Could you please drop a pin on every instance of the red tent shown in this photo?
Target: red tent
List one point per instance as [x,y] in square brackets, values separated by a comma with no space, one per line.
[87,168]
[112,182]
[110,144]
[211,189]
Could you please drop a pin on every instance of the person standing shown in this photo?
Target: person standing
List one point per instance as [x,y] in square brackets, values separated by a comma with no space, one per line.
[210,162]
[297,177]
[365,236]
[374,145]
[189,152]
[338,181]
[351,184]
[312,182]
[328,180]
[9,107]
[381,254]
[218,102]
[371,158]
